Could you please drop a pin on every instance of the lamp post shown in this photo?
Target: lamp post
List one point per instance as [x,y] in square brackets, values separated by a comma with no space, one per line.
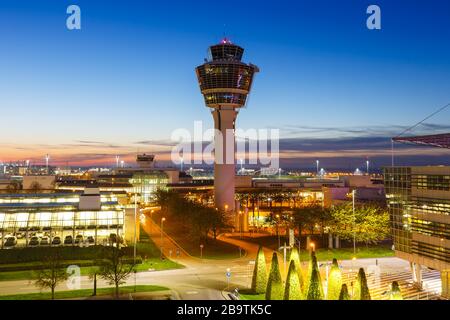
[354,220]
[162,230]
[278,231]
[47,158]
[241,222]
[135,225]
[313,246]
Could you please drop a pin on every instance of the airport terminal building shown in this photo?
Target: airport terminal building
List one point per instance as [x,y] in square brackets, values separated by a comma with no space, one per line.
[34,219]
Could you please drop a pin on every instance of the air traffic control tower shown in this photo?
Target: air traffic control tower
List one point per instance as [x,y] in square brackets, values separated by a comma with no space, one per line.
[225,82]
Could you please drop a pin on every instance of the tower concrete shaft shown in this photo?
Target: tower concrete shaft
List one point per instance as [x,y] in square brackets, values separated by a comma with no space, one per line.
[224,164]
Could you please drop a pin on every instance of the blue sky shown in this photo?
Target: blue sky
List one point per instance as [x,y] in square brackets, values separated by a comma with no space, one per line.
[128,75]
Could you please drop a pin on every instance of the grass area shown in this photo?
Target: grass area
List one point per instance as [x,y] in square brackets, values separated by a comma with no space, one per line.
[248,295]
[362,251]
[212,249]
[151,258]
[82,293]
[149,253]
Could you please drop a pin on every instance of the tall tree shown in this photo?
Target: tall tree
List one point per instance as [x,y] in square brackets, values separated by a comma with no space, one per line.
[259,280]
[275,290]
[114,267]
[361,288]
[343,295]
[293,289]
[52,273]
[315,289]
[369,223]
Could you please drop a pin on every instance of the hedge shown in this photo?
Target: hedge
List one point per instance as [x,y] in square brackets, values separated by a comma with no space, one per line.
[21,255]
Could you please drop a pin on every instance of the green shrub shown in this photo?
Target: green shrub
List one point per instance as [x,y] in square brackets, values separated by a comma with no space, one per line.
[361,288]
[334,281]
[274,290]
[315,289]
[294,256]
[259,280]
[293,289]
[396,294]
[19,255]
[343,295]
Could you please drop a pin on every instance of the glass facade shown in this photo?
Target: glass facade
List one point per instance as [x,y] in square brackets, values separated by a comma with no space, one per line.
[146,183]
[57,215]
[224,79]
[419,205]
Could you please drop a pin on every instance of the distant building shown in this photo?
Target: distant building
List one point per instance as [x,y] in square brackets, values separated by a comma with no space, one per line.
[38,182]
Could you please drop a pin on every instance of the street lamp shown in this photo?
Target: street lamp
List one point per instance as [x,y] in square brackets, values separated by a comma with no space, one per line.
[278,231]
[162,228]
[313,246]
[241,222]
[353,261]
[354,220]
[135,225]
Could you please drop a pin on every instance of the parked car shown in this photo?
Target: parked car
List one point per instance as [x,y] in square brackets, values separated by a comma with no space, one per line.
[20,235]
[34,241]
[90,240]
[68,240]
[56,241]
[45,241]
[79,239]
[10,241]
[112,238]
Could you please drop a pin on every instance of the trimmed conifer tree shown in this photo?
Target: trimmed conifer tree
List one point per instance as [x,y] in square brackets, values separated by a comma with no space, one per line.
[334,281]
[294,256]
[396,294]
[361,288]
[292,289]
[259,280]
[274,290]
[343,295]
[315,289]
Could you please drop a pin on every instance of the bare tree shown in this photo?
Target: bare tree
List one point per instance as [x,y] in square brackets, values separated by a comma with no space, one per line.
[114,267]
[52,273]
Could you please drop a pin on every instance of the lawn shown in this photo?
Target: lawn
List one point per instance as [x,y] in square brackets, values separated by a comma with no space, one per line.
[248,295]
[323,254]
[82,293]
[148,252]
[213,249]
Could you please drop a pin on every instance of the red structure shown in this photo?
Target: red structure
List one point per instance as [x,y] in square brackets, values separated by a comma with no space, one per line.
[435,140]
